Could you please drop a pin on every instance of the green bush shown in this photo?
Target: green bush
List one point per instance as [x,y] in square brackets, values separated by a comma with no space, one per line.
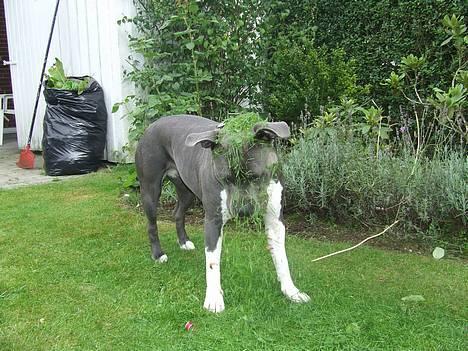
[299,80]
[193,57]
[342,178]
[212,58]
[376,34]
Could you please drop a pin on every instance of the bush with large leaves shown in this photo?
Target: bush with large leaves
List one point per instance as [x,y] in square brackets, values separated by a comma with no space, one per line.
[212,58]
[193,56]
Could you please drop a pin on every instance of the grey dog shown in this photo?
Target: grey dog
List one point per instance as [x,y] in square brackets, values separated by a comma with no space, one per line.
[185,149]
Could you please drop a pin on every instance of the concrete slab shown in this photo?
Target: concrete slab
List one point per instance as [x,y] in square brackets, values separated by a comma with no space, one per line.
[12,176]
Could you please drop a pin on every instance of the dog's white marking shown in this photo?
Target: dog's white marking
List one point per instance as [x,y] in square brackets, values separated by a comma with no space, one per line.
[162,259]
[224,206]
[188,246]
[214,301]
[276,238]
[172,173]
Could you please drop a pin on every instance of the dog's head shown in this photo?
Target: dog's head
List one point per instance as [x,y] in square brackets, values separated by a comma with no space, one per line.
[253,161]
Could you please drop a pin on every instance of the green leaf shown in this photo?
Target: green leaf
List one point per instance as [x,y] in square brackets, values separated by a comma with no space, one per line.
[115,107]
[438,253]
[165,25]
[131,181]
[57,79]
[81,85]
[154,100]
[56,73]
[190,45]
[383,134]
[193,8]
[365,129]
[446,41]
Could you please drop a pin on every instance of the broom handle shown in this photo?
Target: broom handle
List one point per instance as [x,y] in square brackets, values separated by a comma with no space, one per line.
[42,74]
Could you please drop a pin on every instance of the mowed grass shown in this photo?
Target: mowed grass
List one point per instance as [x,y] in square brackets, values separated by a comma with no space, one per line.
[76,274]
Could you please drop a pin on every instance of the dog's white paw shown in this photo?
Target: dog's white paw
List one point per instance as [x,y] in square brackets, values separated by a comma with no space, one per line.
[298,297]
[162,259]
[293,294]
[214,301]
[188,246]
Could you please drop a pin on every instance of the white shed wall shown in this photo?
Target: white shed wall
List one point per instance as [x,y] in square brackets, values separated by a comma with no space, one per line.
[88,41]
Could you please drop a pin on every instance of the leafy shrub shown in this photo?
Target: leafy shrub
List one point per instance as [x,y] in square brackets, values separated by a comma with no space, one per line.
[376,34]
[193,57]
[442,108]
[212,57]
[343,179]
[299,79]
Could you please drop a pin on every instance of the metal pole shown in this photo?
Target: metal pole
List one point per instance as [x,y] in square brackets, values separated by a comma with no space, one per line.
[42,74]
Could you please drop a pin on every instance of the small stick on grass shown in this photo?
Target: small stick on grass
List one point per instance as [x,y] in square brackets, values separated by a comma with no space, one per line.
[353,247]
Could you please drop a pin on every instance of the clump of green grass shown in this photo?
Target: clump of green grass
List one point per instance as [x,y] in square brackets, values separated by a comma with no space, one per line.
[238,129]
[235,137]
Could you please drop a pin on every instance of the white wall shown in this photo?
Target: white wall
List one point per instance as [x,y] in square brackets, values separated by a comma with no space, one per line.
[88,41]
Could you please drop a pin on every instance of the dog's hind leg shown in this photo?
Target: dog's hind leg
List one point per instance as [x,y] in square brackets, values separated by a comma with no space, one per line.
[150,192]
[184,200]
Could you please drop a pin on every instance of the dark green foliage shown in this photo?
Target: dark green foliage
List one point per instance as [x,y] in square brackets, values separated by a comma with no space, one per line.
[212,57]
[198,57]
[292,20]
[441,106]
[297,60]
[303,79]
[378,33]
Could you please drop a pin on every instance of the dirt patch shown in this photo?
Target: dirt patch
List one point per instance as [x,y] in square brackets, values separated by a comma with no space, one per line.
[394,239]
[325,231]
[322,230]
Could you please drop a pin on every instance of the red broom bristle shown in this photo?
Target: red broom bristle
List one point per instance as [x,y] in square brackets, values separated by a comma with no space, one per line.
[26,159]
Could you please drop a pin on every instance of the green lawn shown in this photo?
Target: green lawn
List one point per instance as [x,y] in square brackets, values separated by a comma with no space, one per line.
[76,274]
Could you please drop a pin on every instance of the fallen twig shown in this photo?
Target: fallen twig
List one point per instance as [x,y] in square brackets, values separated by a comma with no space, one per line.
[353,247]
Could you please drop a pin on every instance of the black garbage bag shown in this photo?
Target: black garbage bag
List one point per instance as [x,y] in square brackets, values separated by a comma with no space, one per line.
[75,127]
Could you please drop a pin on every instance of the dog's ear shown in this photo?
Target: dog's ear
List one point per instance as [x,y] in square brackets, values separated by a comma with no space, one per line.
[205,139]
[272,130]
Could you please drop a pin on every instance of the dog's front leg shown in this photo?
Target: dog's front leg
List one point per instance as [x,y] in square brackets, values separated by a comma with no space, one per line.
[276,241]
[214,301]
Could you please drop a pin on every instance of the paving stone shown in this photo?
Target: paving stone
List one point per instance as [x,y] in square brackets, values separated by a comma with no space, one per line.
[12,176]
